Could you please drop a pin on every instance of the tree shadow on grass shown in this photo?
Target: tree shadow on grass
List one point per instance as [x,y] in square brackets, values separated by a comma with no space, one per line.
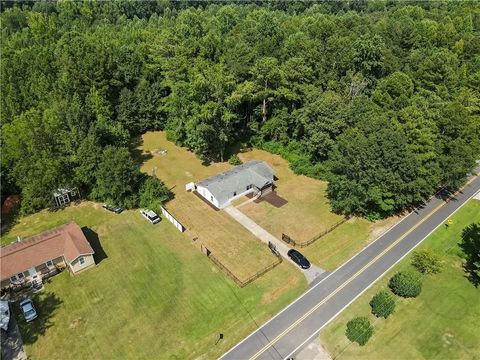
[46,305]
[471,247]
[138,155]
[94,241]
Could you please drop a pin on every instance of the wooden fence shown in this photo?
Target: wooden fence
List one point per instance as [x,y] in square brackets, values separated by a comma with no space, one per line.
[291,241]
[230,274]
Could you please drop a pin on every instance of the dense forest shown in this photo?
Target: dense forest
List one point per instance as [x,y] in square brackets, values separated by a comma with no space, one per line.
[380,98]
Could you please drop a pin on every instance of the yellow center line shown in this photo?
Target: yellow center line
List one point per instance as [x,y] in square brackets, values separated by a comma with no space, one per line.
[299,320]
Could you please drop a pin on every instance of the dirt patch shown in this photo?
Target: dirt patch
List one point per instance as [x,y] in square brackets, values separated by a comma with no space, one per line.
[448,339]
[270,296]
[76,323]
[383,226]
[273,199]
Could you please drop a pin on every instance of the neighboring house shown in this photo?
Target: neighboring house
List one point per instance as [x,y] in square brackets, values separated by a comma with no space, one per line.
[253,176]
[28,262]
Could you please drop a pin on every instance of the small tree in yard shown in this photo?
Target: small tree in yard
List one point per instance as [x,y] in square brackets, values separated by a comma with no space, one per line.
[359,330]
[426,262]
[406,284]
[153,193]
[235,160]
[383,304]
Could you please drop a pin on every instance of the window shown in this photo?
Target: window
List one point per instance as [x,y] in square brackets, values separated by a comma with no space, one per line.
[249,187]
[211,198]
[20,276]
[13,278]
[49,263]
[81,260]
[234,193]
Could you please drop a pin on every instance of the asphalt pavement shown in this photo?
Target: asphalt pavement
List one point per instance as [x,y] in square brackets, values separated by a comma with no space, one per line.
[295,326]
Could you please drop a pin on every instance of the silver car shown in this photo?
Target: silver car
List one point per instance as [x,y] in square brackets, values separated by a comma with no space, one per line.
[150,216]
[28,310]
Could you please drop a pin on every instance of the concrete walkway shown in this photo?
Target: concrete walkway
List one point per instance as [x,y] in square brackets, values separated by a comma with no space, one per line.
[12,345]
[257,230]
[311,274]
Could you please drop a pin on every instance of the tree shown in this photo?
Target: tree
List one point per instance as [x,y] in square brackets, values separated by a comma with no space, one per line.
[117,178]
[359,330]
[153,193]
[382,304]
[234,160]
[406,284]
[471,247]
[426,262]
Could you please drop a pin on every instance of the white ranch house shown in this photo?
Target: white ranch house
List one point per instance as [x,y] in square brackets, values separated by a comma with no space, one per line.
[252,177]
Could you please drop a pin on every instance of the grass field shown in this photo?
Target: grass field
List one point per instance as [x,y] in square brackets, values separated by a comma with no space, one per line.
[154,295]
[442,323]
[235,246]
[307,214]
[333,249]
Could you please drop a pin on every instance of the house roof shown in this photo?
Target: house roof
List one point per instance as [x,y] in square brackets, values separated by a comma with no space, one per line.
[223,185]
[67,240]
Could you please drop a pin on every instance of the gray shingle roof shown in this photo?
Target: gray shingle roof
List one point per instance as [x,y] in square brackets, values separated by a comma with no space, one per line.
[223,185]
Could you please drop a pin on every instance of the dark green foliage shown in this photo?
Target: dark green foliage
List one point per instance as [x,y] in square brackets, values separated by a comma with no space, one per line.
[359,330]
[117,178]
[426,262]
[471,247]
[382,304]
[406,284]
[234,160]
[379,98]
[153,193]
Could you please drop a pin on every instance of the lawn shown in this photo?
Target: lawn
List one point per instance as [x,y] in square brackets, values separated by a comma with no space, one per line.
[154,295]
[442,323]
[307,214]
[336,247]
[235,246]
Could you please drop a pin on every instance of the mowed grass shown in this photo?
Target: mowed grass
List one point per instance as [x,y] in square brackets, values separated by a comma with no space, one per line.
[307,212]
[336,247]
[155,296]
[442,323]
[235,246]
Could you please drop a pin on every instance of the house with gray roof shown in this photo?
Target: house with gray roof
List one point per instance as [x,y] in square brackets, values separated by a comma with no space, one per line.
[253,176]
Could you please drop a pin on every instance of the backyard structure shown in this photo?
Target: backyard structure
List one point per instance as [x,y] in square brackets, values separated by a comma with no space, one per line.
[27,262]
[252,177]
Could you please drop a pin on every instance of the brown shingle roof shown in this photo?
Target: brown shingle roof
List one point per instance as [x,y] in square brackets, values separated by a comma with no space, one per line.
[67,240]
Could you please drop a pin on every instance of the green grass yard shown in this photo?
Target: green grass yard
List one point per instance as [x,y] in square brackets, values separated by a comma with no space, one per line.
[154,296]
[442,323]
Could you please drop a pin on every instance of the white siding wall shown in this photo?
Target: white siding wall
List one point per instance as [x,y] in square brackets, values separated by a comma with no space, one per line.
[207,195]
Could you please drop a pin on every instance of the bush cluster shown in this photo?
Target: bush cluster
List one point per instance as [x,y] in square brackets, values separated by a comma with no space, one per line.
[426,262]
[359,330]
[406,284]
[382,304]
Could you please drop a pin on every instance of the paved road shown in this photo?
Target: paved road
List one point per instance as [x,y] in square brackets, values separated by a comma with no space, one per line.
[291,329]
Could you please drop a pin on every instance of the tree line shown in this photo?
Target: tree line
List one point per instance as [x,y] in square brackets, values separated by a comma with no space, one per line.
[379,98]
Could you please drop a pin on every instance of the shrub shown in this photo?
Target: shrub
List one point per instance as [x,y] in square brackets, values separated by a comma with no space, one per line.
[234,160]
[426,262]
[153,193]
[406,284]
[383,304]
[359,330]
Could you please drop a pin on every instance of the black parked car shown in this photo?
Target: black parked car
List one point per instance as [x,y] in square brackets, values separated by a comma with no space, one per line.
[116,210]
[299,259]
